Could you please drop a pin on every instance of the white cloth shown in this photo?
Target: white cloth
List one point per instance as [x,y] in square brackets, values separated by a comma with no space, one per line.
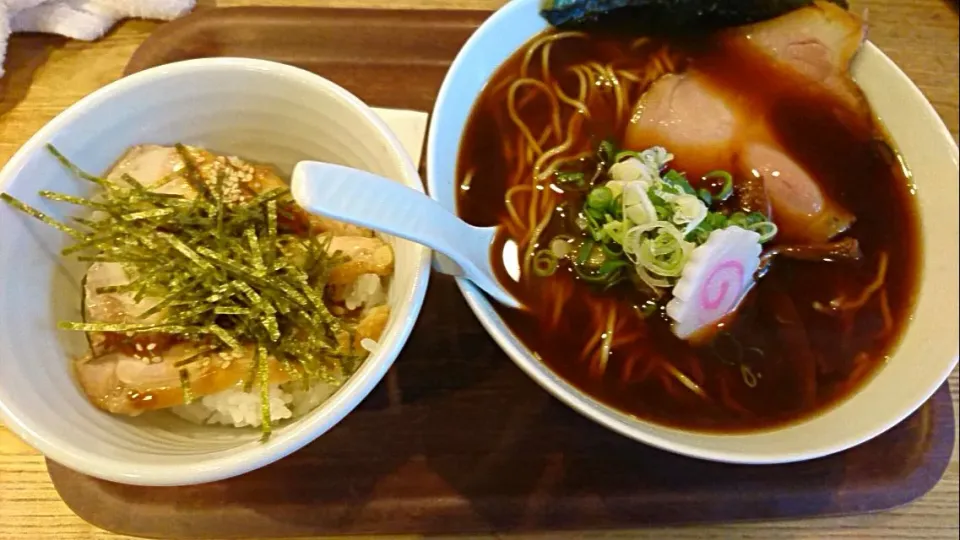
[79,19]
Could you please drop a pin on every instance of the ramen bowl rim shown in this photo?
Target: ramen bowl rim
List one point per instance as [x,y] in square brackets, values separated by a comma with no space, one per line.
[646,431]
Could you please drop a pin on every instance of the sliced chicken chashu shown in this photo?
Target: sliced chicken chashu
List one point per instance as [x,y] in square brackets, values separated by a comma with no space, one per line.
[707,126]
[371,325]
[113,307]
[156,167]
[798,206]
[129,374]
[363,255]
[318,224]
[131,384]
[818,42]
[683,114]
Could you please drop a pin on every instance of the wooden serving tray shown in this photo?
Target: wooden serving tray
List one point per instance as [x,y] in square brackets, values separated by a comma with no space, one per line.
[472,444]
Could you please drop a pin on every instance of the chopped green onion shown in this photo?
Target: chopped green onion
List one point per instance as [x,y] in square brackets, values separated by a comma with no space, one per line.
[754,218]
[612,265]
[705,196]
[738,219]
[560,246]
[767,230]
[607,152]
[599,198]
[614,230]
[584,253]
[570,179]
[617,207]
[659,248]
[545,263]
[679,182]
[647,309]
[659,205]
[726,190]
[611,252]
[595,214]
[607,274]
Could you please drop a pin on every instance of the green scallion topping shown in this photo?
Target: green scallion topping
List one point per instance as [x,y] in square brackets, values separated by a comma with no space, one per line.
[545,263]
[599,199]
[726,189]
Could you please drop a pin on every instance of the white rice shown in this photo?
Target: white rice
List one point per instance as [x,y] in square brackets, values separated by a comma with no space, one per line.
[369,345]
[234,407]
[367,291]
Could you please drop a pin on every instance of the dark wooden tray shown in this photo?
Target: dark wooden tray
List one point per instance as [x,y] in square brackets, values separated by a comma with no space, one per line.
[472,444]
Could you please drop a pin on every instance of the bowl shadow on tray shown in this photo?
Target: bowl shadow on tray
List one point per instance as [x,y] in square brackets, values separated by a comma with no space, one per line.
[457,439]
[25,55]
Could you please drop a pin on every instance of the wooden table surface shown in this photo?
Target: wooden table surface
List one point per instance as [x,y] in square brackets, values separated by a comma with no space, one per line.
[46,74]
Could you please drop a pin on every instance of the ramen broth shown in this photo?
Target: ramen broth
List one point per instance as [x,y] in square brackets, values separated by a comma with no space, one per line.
[779,359]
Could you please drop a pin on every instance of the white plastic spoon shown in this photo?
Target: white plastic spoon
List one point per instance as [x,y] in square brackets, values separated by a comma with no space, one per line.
[371,201]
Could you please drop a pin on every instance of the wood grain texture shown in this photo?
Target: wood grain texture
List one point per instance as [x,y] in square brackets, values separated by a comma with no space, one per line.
[46,74]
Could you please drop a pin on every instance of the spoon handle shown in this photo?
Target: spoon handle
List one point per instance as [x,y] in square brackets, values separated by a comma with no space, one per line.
[371,201]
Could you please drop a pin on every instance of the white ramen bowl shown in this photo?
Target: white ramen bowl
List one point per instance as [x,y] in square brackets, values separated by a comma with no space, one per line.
[259,110]
[927,352]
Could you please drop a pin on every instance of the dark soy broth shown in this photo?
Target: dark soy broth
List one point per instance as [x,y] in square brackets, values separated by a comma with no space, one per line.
[779,359]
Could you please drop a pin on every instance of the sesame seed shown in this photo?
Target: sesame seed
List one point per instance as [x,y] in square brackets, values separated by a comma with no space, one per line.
[151,346]
[139,347]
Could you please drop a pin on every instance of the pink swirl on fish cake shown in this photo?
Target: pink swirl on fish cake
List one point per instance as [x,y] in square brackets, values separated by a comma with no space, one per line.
[715,292]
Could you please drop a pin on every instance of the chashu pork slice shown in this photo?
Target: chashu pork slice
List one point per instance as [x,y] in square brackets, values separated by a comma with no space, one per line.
[818,42]
[362,255]
[133,381]
[707,128]
[131,384]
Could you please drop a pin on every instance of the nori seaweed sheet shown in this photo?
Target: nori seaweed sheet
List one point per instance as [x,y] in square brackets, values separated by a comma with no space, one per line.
[665,16]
